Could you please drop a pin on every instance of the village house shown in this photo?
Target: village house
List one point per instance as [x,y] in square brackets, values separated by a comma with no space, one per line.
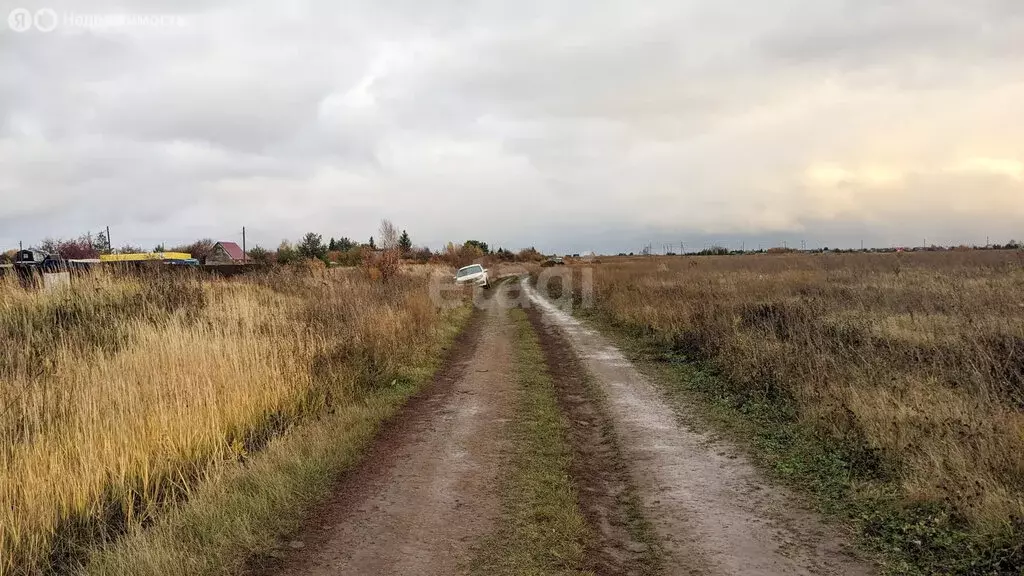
[226,253]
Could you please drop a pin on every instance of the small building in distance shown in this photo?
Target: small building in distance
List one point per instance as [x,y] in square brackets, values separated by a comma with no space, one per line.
[226,253]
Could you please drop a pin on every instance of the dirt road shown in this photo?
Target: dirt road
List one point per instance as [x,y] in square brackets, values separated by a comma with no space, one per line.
[429,487]
[428,490]
[712,510]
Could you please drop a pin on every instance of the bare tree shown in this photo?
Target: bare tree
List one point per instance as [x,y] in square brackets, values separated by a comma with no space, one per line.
[388,235]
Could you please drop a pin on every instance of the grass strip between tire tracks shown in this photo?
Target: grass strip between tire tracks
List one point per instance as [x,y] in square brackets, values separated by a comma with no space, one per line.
[625,540]
[541,529]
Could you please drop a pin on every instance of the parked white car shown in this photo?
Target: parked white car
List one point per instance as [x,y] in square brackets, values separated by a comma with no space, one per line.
[474,274]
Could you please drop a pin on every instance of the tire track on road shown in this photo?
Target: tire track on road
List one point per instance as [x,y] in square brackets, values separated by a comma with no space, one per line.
[428,487]
[712,510]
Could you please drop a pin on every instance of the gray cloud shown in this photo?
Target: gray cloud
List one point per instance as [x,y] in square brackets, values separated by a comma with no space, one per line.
[571,126]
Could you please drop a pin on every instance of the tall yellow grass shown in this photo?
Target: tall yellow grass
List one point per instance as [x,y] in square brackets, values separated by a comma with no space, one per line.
[118,396]
[916,359]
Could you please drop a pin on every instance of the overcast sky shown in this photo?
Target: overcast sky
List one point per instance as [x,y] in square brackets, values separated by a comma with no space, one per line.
[573,126]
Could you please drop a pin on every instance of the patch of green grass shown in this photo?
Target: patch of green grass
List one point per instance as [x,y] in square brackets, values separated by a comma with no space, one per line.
[541,529]
[242,510]
[843,479]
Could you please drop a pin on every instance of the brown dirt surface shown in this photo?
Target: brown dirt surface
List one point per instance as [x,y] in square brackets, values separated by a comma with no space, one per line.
[713,512]
[428,487]
[600,475]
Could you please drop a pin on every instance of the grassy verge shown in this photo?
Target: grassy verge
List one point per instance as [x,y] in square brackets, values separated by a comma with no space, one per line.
[541,530]
[910,537]
[122,395]
[242,509]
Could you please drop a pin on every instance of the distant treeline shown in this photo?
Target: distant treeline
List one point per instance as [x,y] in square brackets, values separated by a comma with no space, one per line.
[342,251]
[723,251]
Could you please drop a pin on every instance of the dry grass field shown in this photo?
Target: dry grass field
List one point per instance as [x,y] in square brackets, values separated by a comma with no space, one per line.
[905,370]
[120,396]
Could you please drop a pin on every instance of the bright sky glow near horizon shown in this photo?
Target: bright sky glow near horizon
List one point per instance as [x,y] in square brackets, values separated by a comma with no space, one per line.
[572,126]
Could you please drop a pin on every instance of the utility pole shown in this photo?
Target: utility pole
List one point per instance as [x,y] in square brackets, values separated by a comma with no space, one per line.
[110,247]
[20,247]
[245,255]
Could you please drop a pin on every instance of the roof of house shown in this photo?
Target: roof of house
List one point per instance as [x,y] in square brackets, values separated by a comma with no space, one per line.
[233,250]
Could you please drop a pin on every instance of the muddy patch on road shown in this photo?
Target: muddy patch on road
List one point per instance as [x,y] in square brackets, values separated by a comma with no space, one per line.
[624,542]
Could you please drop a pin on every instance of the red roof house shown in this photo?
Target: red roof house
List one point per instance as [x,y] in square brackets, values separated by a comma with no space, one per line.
[226,253]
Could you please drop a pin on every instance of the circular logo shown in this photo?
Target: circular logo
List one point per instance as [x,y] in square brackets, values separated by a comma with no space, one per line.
[46,20]
[20,19]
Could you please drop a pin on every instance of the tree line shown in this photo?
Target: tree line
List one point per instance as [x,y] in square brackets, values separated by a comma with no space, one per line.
[389,243]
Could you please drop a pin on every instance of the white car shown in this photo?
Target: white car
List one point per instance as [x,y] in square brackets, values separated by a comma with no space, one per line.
[474,274]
